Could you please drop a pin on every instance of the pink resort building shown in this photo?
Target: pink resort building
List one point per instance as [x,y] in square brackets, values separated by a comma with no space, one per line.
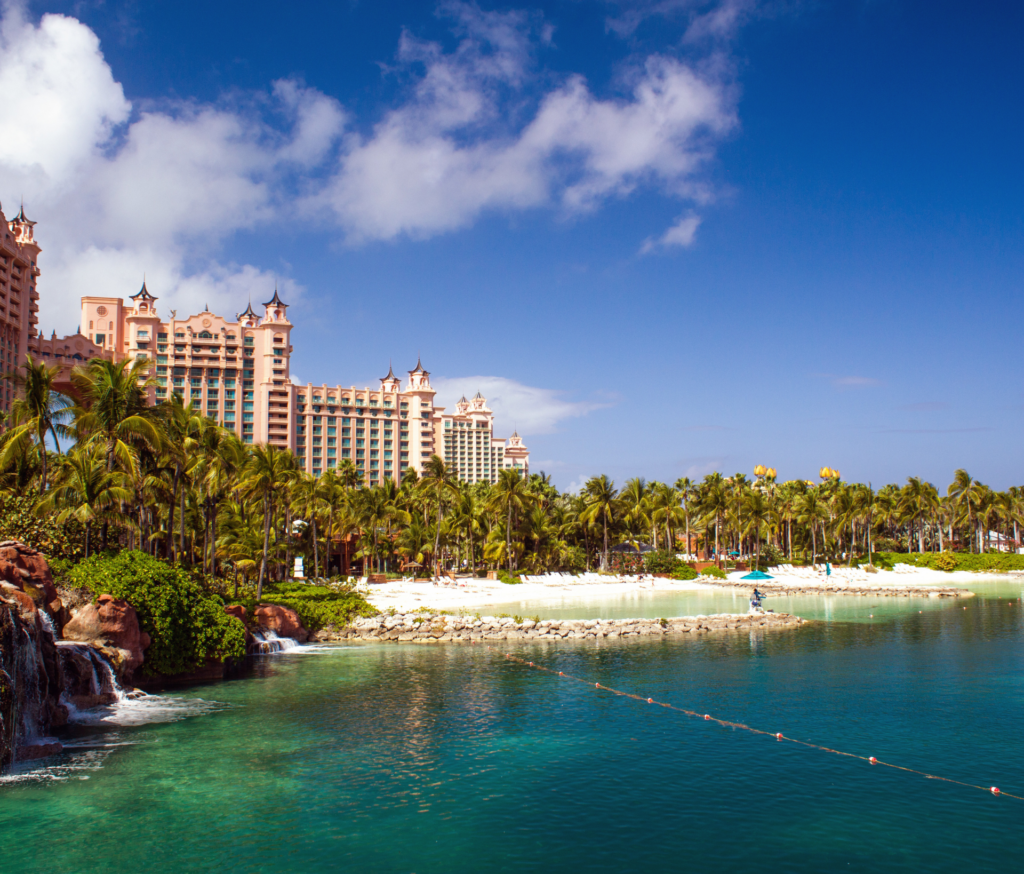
[19,300]
[237,373]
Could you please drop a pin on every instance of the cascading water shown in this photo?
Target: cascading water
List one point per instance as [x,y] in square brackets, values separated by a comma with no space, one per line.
[267,642]
[89,680]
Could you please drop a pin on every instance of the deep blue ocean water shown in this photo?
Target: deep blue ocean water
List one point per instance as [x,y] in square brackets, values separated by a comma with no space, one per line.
[449,758]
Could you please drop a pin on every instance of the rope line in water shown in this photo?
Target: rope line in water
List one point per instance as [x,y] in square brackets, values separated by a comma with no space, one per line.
[777,735]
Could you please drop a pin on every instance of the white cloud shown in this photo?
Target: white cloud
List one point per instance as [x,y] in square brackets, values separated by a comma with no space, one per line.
[705,19]
[453,150]
[119,193]
[682,233]
[121,190]
[528,409]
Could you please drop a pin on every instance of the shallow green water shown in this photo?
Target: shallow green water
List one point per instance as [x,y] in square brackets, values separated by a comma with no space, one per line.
[644,603]
[451,759]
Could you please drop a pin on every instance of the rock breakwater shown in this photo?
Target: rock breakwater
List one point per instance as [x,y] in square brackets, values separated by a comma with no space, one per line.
[445,628]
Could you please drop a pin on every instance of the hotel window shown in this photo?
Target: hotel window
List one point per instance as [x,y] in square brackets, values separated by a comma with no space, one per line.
[346,453]
[100,339]
[345,441]
[360,442]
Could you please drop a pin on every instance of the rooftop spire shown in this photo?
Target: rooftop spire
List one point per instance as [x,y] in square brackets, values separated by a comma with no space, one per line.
[143,292]
[24,219]
[275,301]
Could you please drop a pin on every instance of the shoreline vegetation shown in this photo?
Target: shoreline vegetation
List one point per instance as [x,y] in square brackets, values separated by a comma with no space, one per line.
[158,514]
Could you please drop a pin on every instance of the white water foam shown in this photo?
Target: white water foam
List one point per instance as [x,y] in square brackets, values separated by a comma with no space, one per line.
[268,643]
[141,709]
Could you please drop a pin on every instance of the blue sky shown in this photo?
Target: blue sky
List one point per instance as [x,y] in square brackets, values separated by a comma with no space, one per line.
[662,237]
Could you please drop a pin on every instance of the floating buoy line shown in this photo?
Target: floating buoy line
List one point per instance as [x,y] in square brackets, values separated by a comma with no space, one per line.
[779,736]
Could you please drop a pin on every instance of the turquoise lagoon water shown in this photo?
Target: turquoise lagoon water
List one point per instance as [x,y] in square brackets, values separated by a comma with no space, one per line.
[451,759]
[644,603]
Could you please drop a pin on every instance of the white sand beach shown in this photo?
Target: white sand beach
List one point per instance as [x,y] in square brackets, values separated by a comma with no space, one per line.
[472,594]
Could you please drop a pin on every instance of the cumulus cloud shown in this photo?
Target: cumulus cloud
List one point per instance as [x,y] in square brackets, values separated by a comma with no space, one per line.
[453,149]
[682,233]
[530,409]
[120,190]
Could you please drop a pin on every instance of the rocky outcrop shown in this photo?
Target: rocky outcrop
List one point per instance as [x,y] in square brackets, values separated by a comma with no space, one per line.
[111,625]
[31,679]
[283,621]
[26,569]
[443,628]
[88,678]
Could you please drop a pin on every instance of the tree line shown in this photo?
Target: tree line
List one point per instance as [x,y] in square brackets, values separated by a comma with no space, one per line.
[167,480]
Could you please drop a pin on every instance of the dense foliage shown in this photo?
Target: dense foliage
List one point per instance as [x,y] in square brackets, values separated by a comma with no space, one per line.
[20,521]
[187,624]
[317,606]
[168,481]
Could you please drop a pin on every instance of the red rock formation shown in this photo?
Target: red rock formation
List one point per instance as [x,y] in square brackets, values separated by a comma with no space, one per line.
[110,623]
[282,621]
[26,569]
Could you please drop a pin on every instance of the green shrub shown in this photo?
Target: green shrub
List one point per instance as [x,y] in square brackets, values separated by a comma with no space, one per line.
[685,573]
[661,561]
[508,579]
[188,626]
[715,572]
[316,606]
[946,561]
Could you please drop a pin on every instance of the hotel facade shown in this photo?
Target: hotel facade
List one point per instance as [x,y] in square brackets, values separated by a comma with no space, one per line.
[238,373]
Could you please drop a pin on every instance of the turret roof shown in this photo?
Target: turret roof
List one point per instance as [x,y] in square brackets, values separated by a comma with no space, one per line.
[248,312]
[419,367]
[478,397]
[391,373]
[143,293]
[275,301]
[24,219]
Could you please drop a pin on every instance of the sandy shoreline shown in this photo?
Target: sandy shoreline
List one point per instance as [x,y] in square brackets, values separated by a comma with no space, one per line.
[471,594]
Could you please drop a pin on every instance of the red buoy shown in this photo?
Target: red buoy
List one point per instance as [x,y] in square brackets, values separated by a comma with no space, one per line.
[706,716]
[995,790]
[598,685]
[650,700]
[561,674]
[531,664]
[778,736]
[873,760]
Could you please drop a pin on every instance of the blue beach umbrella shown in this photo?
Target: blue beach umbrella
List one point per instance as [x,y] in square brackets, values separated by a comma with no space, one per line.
[758,575]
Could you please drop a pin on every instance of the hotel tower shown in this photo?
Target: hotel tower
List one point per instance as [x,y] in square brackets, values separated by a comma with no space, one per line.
[237,373]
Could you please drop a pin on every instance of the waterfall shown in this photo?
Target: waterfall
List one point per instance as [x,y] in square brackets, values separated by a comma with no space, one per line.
[267,642]
[89,680]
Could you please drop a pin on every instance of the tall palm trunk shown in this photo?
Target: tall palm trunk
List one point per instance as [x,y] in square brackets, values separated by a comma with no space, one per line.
[266,546]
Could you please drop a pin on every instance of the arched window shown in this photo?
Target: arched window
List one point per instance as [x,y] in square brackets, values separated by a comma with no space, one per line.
[205,335]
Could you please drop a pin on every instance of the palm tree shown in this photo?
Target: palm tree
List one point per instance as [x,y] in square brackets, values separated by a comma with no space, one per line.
[812,511]
[311,499]
[686,488]
[113,406]
[602,502]
[510,494]
[267,476]
[38,410]
[439,479]
[760,514]
[85,490]
[714,504]
[966,495]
